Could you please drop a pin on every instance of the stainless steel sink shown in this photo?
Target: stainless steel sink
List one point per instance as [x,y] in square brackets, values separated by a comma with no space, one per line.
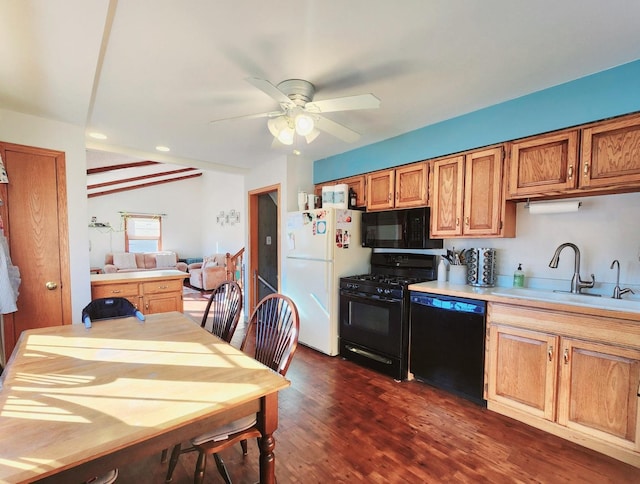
[630,305]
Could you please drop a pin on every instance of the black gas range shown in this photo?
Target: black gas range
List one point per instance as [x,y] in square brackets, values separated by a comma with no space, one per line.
[374,311]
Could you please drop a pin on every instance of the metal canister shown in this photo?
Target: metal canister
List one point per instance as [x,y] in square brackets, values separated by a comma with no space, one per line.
[481,266]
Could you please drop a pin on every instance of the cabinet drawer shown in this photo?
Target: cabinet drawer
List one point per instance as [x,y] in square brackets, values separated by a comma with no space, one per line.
[155,287]
[114,290]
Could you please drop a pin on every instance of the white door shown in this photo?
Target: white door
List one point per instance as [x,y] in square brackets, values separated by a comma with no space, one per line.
[309,283]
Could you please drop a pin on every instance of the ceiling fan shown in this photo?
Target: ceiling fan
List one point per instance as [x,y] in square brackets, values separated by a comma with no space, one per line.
[299,114]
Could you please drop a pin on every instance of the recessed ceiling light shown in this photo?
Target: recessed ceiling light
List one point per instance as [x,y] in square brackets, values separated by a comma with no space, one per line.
[98,135]
[162,148]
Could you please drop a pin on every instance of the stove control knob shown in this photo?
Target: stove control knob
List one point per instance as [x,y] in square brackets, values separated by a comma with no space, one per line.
[379,290]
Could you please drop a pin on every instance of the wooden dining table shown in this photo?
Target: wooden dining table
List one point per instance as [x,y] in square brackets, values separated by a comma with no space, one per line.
[77,402]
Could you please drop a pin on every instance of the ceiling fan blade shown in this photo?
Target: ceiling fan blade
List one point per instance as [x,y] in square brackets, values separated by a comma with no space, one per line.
[348,103]
[270,114]
[270,90]
[335,129]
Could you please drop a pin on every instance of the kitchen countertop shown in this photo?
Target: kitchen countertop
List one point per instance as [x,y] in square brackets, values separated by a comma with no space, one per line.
[537,298]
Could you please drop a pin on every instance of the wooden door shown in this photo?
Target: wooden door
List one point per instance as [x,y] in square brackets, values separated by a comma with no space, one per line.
[611,154]
[35,219]
[522,370]
[483,193]
[446,202]
[598,391]
[380,188]
[543,165]
[412,185]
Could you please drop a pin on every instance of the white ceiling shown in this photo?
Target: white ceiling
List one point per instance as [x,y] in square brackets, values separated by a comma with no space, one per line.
[155,72]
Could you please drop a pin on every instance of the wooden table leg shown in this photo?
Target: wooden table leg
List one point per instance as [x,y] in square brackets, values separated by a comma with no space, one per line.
[267,424]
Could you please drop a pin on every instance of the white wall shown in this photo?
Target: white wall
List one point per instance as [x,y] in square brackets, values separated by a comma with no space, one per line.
[606,227]
[222,192]
[44,133]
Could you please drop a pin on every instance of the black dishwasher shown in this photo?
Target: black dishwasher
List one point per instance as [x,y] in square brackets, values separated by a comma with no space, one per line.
[447,343]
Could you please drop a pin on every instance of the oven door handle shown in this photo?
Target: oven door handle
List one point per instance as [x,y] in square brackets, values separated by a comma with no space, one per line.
[361,297]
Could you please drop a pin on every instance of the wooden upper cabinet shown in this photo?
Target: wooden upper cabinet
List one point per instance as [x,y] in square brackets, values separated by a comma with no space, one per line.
[356,183]
[542,165]
[446,202]
[380,190]
[403,187]
[610,155]
[468,197]
[483,193]
[412,185]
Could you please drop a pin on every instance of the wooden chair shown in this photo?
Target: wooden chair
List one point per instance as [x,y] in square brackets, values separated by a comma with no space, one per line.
[272,339]
[224,306]
[102,309]
[109,308]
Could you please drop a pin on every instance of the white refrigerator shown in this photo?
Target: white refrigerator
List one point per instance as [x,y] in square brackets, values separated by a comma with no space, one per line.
[322,245]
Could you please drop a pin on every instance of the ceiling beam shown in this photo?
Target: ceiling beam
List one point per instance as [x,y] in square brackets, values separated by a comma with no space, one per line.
[102,169]
[141,177]
[142,185]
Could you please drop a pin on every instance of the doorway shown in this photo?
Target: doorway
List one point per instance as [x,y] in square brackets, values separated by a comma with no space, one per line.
[34,211]
[264,241]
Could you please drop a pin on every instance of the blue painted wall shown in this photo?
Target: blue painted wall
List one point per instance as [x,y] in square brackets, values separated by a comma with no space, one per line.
[608,93]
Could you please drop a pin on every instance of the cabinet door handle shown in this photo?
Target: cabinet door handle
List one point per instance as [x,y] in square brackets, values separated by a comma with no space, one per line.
[163,287]
[389,197]
[116,291]
[457,221]
[550,352]
[570,173]
[566,356]
[586,169]
[466,221]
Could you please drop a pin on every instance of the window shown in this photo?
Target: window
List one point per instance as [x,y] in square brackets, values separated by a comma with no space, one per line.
[143,233]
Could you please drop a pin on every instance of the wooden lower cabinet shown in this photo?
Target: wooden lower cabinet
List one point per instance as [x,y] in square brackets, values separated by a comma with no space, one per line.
[598,391]
[523,365]
[576,377]
[150,292]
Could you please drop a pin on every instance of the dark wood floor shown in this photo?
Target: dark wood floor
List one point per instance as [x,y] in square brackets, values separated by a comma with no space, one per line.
[340,422]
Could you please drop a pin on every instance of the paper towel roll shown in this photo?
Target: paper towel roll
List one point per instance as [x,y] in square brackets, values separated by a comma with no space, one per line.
[565,206]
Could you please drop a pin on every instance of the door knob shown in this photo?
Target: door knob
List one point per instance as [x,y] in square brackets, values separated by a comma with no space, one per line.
[51,285]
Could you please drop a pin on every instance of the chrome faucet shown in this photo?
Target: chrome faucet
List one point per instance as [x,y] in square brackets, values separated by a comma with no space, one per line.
[577,284]
[617,292]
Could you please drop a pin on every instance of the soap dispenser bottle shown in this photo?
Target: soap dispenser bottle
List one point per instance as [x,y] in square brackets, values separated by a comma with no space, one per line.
[518,277]
[442,271]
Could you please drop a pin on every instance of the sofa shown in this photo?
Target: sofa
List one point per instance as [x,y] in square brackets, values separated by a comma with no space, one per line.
[209,273]
[142,261]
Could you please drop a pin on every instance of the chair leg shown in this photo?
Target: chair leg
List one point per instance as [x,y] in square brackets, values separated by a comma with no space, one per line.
[243,444]
[175,453]
[222,469]
[198,476]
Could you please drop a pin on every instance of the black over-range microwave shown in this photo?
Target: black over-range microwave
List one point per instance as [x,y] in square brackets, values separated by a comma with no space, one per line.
[398,229]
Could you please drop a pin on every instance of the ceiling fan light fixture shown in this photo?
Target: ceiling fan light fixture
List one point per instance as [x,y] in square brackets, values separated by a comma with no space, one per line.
[273,126]
[304,124]
[286,136]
